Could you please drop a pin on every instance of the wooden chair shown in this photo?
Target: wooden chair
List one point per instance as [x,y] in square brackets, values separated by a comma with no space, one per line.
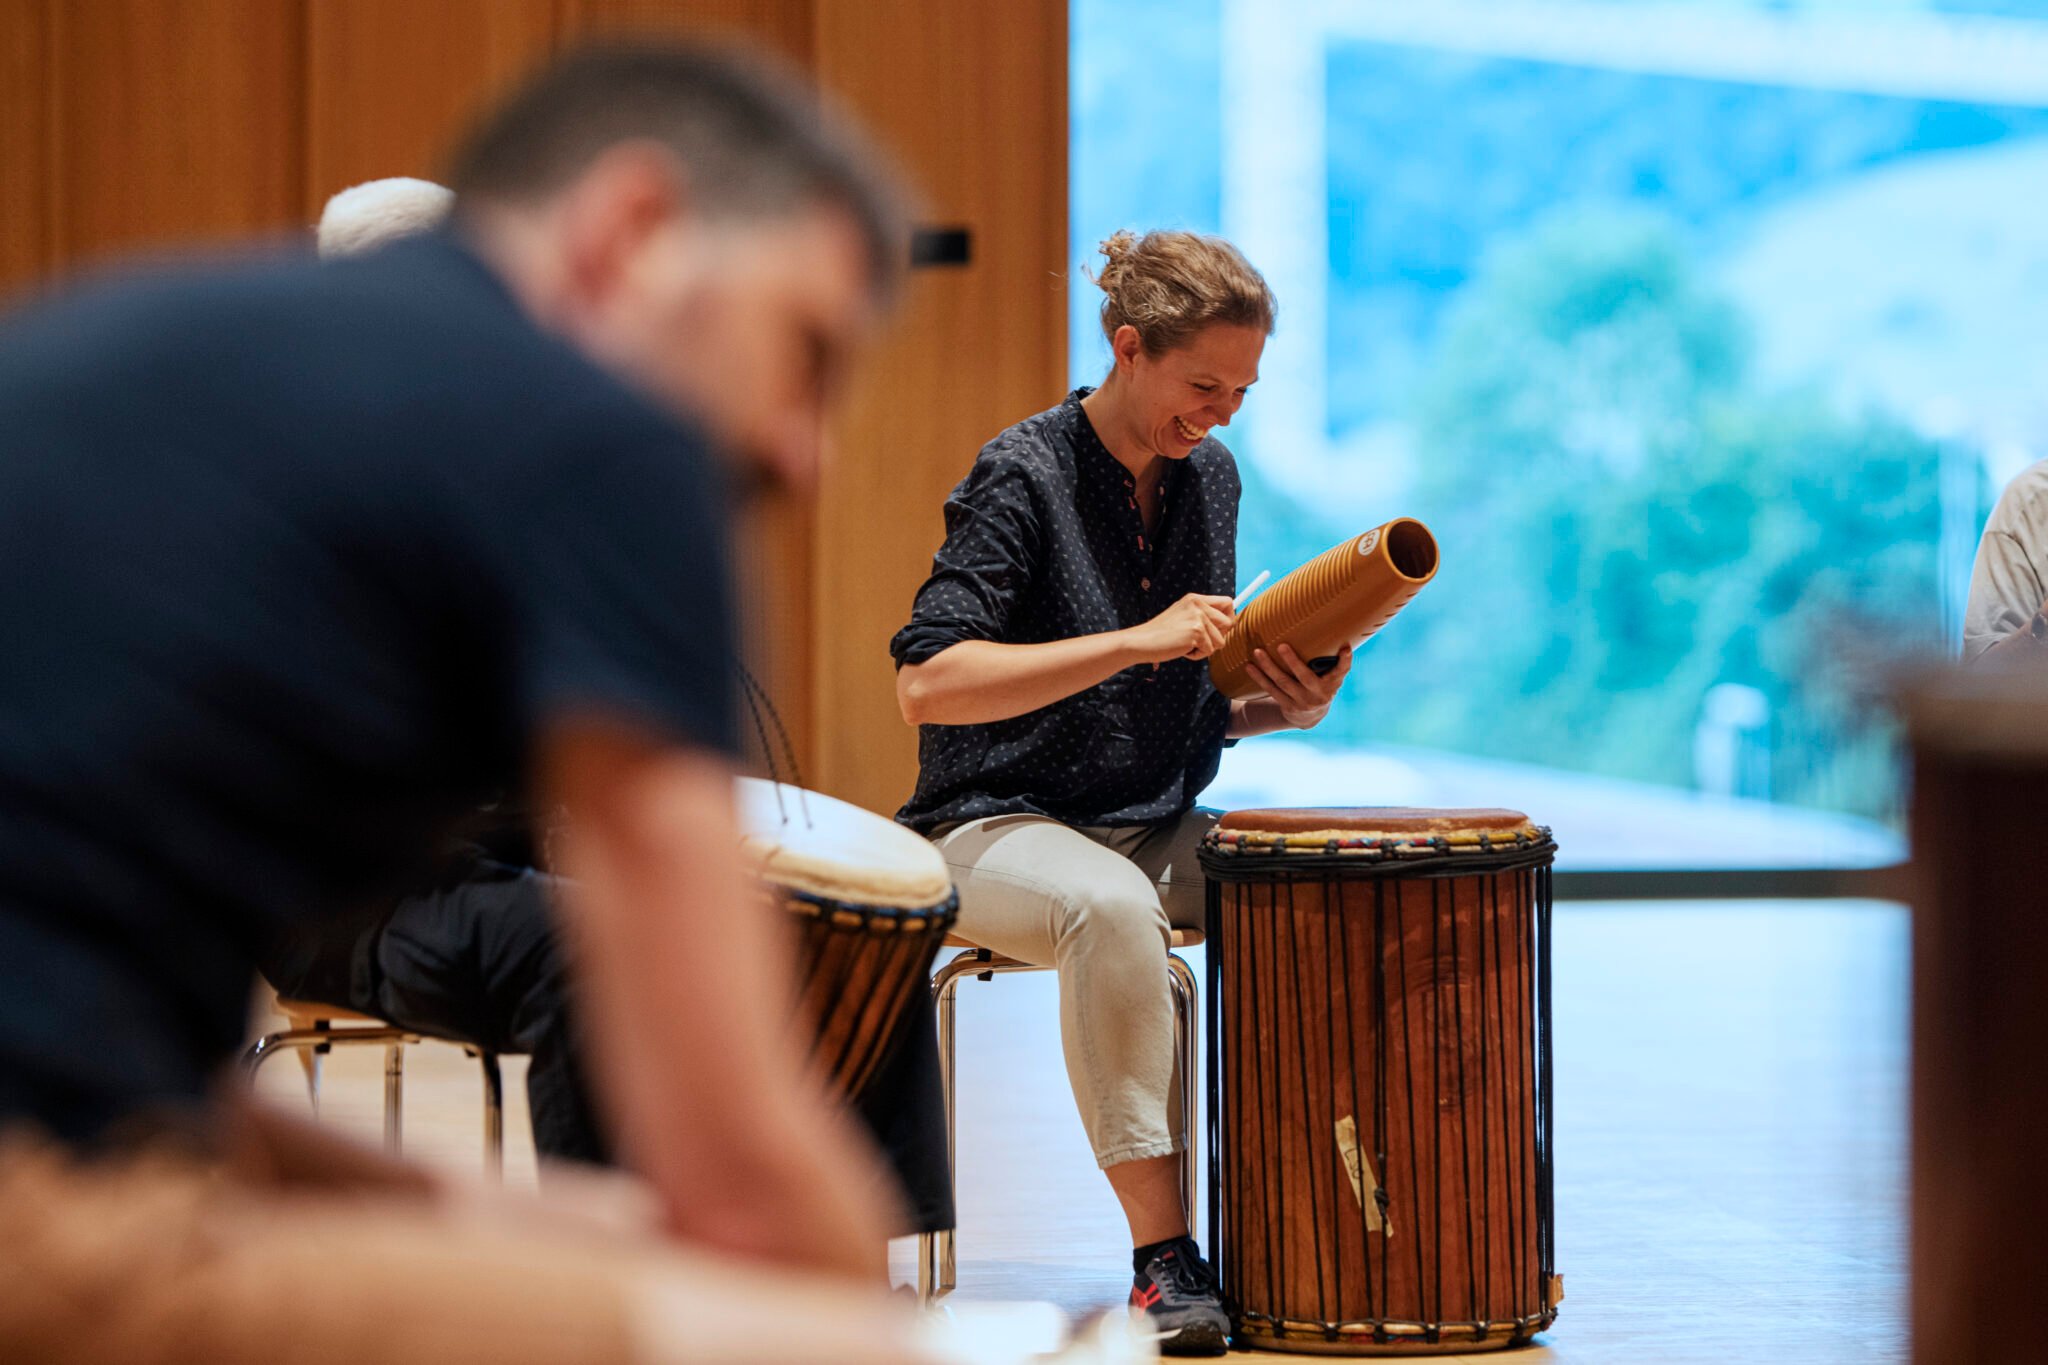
[314,1029]
[937,1266]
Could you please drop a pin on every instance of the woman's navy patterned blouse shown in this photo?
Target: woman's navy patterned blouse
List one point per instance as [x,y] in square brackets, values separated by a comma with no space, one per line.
[1044,541]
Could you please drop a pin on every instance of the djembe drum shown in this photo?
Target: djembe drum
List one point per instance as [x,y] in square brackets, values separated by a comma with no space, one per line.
[871,902]
[1379,1078]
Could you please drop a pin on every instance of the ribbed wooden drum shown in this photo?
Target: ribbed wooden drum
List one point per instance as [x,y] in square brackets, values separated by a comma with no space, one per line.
[1379,1078]
[1341,597]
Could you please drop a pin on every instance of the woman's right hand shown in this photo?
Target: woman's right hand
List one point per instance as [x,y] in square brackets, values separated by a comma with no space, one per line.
[1192,628]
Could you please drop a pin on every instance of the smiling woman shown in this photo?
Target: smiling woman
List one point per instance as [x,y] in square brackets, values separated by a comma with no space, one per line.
[1054,662]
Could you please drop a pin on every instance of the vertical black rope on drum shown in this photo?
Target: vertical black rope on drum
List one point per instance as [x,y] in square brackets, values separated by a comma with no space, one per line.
[1331,999]
[1250,1095]
[1511,1188]
[1308,1118]
[1529,1067]
[1380,1085]
[1337,923]
[1408,1084]
[1250,1109]
[1293,928]
[1228,1157]
[1212,973]
[1465,1115]
[1489,901]
[1546,1170]
[1275,1114]
[1260,1110]
[1436,1306]
[1240,1091]
[1232,1086]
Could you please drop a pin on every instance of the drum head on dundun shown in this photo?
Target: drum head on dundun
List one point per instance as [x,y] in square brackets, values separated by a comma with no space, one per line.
[1393,831]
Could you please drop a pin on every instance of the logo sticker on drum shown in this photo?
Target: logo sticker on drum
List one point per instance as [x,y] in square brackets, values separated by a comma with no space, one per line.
[1369,542]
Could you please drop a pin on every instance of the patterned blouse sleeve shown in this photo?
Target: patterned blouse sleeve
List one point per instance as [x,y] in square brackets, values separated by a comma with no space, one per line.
[984,568]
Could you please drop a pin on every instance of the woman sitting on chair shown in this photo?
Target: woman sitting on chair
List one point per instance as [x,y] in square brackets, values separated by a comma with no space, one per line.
[1054,662]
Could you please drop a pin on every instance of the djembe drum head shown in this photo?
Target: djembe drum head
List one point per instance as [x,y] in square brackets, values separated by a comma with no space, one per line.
[1380,1078]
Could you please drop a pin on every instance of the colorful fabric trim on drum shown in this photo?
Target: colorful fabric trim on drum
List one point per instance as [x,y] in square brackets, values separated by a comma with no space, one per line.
[1371,845]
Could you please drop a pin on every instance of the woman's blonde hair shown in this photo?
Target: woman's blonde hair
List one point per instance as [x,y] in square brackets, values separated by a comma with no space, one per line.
[1171,284]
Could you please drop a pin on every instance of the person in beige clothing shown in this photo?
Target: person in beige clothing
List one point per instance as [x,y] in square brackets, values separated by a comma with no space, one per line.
[2006,622]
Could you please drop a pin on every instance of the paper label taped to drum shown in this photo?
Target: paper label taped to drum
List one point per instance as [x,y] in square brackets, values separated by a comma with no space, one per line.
[1365,1186]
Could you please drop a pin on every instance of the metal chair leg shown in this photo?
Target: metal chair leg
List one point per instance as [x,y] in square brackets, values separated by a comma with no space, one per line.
[938,1270]
[1181,980]
[310,1060]
[394,1099]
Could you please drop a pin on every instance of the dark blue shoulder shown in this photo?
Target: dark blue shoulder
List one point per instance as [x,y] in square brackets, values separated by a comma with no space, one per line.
[1216,467]
[1035,452]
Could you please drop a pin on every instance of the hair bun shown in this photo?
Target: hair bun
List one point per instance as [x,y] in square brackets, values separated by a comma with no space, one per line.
[1117,250]
[1170,284]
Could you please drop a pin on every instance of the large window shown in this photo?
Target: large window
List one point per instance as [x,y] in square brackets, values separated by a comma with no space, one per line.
[1702,336]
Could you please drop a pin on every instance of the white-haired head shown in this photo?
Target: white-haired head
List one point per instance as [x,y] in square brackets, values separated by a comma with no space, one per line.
[379,211]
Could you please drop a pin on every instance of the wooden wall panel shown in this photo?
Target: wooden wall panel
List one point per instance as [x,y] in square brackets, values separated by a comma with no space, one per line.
[391,84]
[973,99]
[773,542]
[174,121]
[25,108]
[785,26]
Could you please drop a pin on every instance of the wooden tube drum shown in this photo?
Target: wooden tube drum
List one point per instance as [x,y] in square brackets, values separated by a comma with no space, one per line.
[871,902]
[1341,597]
[1379,1078]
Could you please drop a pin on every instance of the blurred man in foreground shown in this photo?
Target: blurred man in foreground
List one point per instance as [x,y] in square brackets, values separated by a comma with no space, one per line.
[474,956]
[297,565]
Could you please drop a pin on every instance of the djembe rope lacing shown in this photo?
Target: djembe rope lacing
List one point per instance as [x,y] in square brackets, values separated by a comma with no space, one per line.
[757,701]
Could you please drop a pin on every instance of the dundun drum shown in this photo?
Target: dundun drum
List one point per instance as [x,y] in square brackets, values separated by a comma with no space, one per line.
[871,902]
[1379,1078]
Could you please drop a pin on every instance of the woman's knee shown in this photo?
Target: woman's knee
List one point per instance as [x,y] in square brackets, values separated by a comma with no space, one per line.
[1115,920]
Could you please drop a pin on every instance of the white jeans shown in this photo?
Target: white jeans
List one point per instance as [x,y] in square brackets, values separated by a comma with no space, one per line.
[1098,903]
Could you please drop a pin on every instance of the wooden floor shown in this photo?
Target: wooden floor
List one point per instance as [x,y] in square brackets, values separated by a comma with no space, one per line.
[1730,1092]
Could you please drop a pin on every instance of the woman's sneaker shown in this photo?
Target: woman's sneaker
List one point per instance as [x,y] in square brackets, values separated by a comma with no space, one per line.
[1176,1291]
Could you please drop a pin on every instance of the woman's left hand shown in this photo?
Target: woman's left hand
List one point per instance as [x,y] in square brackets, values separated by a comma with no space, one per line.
[1302,695]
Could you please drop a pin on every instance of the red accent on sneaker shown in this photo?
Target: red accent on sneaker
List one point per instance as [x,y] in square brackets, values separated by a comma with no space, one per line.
[1146,1297]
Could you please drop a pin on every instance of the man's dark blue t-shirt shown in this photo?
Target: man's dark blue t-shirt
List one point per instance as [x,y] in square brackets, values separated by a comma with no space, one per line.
[296,560]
